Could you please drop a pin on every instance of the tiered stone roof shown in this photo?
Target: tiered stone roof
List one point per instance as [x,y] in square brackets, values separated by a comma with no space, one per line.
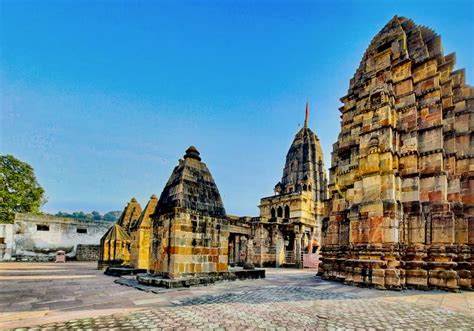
[304,167]
[400,192]
[130,214]
[116,232]
[145,217]
[191,187]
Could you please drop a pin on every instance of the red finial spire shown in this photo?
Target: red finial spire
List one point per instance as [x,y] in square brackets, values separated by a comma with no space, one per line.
[306,115]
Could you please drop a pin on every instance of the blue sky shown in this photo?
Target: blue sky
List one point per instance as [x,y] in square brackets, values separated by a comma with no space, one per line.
[103,97]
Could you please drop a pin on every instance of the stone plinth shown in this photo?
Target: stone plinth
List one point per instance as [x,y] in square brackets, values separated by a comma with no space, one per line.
[203,279]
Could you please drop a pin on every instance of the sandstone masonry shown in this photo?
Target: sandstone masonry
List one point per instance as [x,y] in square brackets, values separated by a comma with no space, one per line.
[401,182]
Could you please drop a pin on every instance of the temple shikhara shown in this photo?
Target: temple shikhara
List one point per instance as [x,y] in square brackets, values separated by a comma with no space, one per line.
[397,211]
[190,229]
[291,219]
[401,186]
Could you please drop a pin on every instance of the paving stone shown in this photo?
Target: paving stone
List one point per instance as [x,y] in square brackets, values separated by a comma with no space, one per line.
[286,300]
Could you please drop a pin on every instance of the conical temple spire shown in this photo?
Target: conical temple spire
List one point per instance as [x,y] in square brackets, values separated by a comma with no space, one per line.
[306,115]
[191,187]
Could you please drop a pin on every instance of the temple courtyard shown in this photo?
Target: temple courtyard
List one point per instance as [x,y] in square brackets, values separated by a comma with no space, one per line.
[78,296]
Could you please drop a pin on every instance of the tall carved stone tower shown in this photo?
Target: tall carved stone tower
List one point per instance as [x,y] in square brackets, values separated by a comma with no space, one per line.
[297,208]
[401,187]
[190,228]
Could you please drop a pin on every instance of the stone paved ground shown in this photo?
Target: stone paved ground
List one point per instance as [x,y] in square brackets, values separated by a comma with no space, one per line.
[76,296]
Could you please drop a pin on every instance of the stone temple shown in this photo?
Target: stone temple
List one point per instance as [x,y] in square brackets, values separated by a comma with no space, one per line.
[291,219]
[396,213]
[190,229]
[115,244]
[401,186]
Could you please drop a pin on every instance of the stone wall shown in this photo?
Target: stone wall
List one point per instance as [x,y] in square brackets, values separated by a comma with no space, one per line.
[87,252]
[37,237]
[6,241]
[187,244]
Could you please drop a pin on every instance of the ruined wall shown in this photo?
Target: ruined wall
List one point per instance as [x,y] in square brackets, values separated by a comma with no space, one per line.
[240,228]
[87,252]
[6,241]
[38,237]
[269,246]
[401,188]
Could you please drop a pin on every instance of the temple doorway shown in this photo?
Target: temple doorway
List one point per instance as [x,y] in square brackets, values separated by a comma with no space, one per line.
[236,251]
[289,245]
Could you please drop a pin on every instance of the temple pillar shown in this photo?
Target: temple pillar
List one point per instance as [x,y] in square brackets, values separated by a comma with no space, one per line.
[260,257]
[298,248]
[249,255]
[279,246]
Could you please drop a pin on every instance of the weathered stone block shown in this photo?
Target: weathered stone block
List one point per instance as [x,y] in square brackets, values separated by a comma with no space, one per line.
[403,87]
[404,167]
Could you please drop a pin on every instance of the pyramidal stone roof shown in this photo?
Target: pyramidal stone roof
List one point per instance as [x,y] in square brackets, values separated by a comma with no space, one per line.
[304,163]
[146,213]
[191,187]
[116,232]
[130,213]
[421,43]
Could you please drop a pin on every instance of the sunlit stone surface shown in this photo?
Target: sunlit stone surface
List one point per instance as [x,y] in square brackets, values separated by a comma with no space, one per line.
[190,228]
[401,188]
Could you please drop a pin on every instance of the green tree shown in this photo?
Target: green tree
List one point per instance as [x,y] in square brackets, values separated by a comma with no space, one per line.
[112,216]
[96,216]
[19,190]
[79,215]
[63,214]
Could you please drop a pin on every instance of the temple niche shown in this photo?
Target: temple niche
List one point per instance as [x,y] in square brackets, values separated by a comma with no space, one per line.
[401,187]
[289,228]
